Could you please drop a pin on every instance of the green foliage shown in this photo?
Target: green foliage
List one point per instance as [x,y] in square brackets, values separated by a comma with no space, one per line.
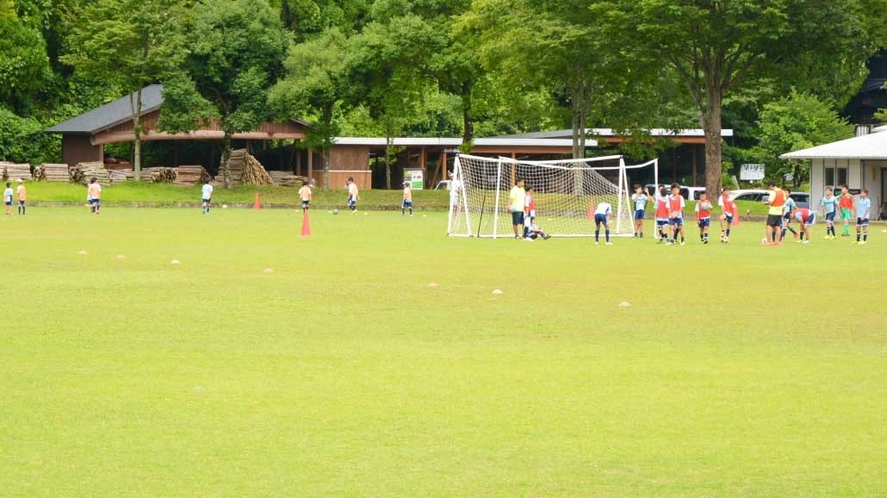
[881,115]
[237,50]
[22,139]
[792,123]
[24,65]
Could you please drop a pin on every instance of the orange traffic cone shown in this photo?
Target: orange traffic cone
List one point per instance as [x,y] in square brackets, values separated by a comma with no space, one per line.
[306,224]
[257,204]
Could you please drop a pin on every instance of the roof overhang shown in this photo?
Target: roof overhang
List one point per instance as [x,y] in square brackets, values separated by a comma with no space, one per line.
[867,147]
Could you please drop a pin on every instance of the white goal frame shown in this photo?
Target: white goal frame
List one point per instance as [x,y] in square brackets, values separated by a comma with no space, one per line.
[623,215]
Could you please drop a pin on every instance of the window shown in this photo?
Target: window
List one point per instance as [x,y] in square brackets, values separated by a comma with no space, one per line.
[835,176]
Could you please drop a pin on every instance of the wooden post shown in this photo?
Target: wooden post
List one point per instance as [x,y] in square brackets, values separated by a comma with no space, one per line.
[311,165]
[298,154]
[424,165]
[513,167]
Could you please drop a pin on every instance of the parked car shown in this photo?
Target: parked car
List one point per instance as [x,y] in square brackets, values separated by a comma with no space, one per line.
[802,199]
[442,185]
[689,193]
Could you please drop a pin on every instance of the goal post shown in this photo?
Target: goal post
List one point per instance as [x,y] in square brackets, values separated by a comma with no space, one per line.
[566,194]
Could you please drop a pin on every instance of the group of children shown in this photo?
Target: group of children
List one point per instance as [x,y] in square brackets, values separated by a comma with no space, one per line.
[21,194]
[669,213]
[831,205]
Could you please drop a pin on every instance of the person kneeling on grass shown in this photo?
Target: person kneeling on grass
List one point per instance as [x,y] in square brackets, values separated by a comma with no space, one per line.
[602,217]
[534,232]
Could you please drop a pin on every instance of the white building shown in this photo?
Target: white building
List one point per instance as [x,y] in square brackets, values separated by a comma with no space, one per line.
[859,162]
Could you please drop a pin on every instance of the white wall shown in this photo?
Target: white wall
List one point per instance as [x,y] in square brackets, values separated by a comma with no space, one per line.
[872,178]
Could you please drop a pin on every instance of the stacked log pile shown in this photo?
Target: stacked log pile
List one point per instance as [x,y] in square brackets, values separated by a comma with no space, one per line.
[287,179]
[84,172]
[191,175]
[48,172]
[120,175]
[159,174]
[13,171]
[245,170]
[118,166]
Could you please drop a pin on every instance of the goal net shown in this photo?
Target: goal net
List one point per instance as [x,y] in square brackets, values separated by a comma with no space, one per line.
[566,194]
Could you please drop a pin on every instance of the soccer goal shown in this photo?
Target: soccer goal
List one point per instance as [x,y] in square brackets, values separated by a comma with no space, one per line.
[566,193]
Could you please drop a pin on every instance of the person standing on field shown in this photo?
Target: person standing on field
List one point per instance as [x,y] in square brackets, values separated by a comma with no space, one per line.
[407,202]
[776,201]
[353,195]
[845,203]
[602,217]
[517,200]
[94,196]
[22,193]
[863,212]
[206,196]
[455,193]
[829,205]
[676,207]
[305,195]
[7,198]
[639,197]
[728,214]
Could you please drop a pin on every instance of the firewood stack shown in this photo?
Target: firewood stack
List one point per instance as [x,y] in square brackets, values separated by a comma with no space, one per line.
[84,172]
[13,171]
[287,179]
[188,176]
[48,172]
[159,174]
[245,170]
[120,175]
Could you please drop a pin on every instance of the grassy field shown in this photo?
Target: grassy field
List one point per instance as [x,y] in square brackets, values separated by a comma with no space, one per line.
[737,370]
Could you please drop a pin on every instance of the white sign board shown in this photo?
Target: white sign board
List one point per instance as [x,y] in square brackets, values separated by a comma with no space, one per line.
[749,172]
[416,178]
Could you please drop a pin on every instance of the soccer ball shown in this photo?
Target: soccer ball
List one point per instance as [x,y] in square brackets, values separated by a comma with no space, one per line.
[224,206]
[705,205]
[335,211]
[764,241]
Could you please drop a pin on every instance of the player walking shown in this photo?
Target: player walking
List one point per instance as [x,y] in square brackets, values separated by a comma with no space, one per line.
[353,195]
[676,206]
[602,217]
[305,195]
[640,206]
[407,200]
[728,212]
[94,196]
[703,216]
[845,204]
[863,213]
[206,196]
[829,205]
[662,215]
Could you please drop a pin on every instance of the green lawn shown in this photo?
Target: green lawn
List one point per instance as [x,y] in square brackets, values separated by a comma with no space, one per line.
[738,370]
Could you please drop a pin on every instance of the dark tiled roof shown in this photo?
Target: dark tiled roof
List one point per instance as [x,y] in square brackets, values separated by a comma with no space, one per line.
[110,114]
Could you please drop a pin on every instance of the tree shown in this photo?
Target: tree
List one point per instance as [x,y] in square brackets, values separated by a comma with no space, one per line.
[130,43]
[237,49]
[316,83]
[24,65]
[428,44]
[719,47]
[797,122]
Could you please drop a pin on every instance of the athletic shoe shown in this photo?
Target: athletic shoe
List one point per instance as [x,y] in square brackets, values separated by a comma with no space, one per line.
[683,243]
[609,243]
[547,236]
[528,239]
[669,243]
[597,243]
[705,242]
[661,241]
[805,242]
[861,242]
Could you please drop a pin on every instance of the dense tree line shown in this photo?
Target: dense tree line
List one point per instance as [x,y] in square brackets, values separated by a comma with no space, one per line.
[774,69]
